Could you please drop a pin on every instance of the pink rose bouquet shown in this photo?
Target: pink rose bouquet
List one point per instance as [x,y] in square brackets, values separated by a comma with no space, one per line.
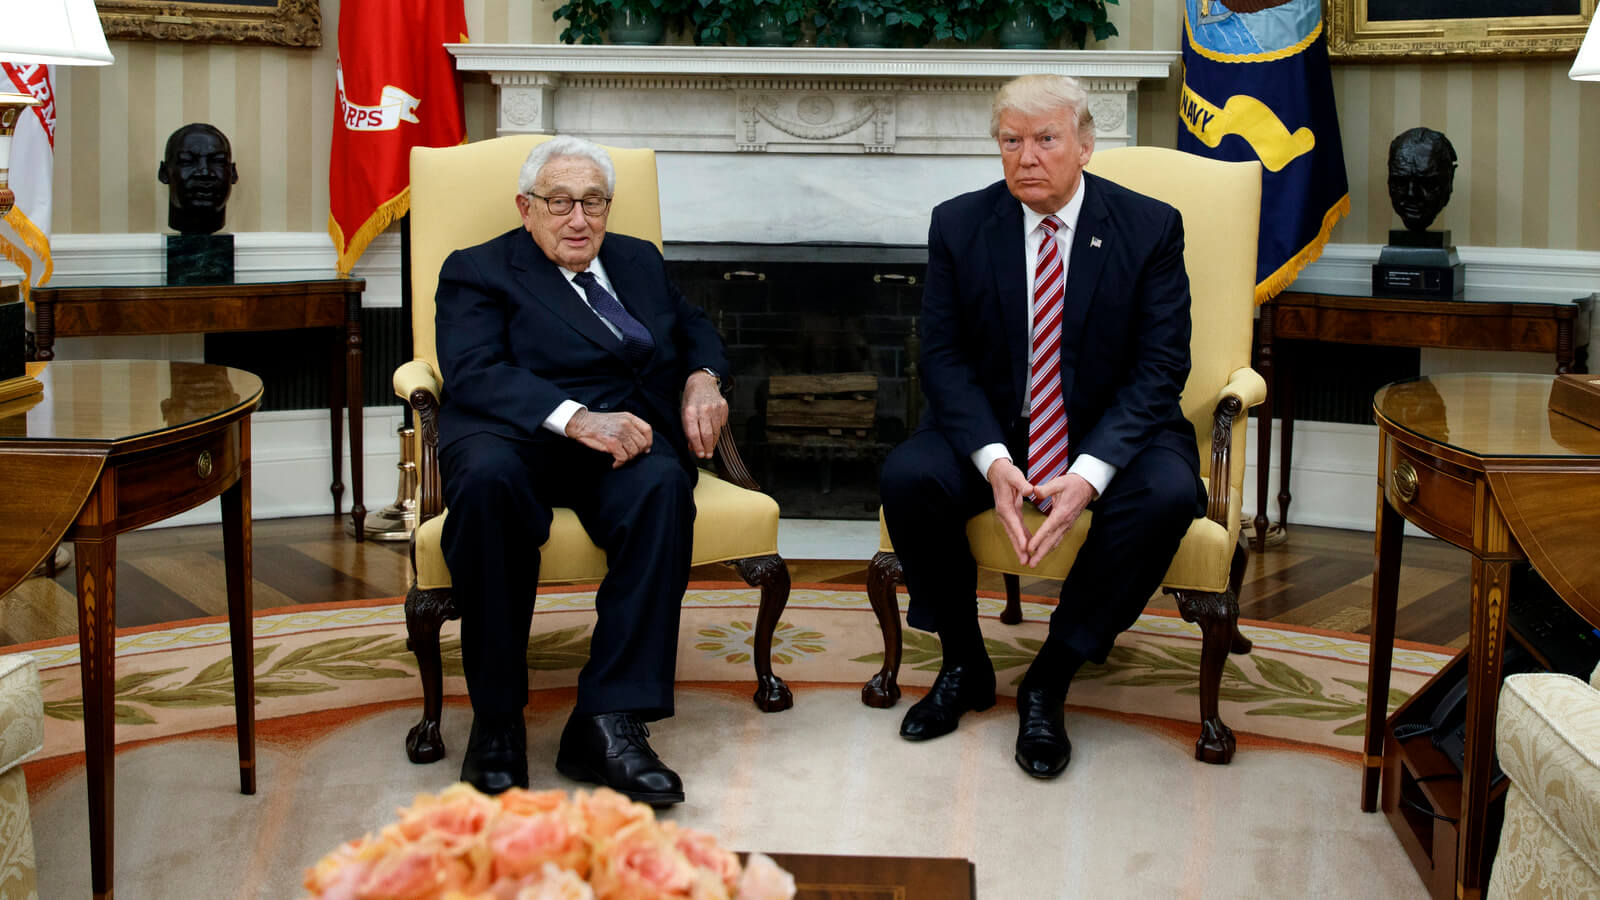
[539,845]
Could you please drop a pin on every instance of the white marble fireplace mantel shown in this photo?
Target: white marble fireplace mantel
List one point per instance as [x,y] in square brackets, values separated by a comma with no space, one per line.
[785,145]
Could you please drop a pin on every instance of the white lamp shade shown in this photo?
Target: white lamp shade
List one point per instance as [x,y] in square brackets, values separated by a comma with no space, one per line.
[52,32]
[1587,66]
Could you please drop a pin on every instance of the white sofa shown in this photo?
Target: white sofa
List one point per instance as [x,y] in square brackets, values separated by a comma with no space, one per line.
[21,736]
[1548,739]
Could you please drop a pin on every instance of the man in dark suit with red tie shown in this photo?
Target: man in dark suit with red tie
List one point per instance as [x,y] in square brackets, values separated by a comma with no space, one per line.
[575,375]
[1055,342]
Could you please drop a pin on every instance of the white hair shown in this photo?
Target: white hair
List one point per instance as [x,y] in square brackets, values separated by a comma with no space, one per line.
[565,146]
[1034,95]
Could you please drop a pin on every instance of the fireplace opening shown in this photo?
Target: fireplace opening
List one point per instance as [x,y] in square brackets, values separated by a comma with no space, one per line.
[820,339]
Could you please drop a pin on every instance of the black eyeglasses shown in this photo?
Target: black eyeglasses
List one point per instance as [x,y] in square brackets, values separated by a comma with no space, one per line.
[594,207]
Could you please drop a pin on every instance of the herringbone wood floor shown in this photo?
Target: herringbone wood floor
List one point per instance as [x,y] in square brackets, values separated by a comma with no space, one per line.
[1320,577]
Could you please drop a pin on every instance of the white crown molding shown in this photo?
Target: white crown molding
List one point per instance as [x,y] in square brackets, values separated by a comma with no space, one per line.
[807,62]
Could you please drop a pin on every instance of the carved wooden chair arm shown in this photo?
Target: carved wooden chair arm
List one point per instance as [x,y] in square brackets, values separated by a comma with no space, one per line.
[1245,389]
[729,467]
[418,384]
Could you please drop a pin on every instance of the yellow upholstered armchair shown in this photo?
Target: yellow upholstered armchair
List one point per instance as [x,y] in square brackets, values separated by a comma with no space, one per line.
[1220,203]
[462,196]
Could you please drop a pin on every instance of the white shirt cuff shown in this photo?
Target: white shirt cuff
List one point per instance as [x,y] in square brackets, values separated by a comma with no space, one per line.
[557,421]
[1094,471]
[984,457]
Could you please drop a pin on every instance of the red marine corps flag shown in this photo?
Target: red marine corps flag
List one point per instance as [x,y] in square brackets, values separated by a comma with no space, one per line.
[397,89]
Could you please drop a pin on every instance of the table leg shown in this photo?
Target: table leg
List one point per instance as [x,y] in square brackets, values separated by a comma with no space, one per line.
[352,369]
[1285,437]
[337,389]
[1564,348]
[44,331]
[1380,655]
[97,620]
[1264,339]
[237,542]
[1490,593]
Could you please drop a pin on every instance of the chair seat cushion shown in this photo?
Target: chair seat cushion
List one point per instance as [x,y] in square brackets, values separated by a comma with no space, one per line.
[1201,563]
[21,710]
[1547,736]
[731,522]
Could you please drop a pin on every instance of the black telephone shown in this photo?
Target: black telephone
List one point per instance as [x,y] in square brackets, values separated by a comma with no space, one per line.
[1447,726]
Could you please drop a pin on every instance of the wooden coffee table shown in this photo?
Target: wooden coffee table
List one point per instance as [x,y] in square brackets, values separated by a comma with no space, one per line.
[821,877]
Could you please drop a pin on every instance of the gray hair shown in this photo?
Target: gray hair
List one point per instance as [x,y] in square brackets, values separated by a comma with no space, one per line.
[1033,95]
[565,145]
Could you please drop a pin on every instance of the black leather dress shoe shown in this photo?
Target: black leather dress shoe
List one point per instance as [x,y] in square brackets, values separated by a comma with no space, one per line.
[1042,746]
[956,690]
[613,749]
[497,753]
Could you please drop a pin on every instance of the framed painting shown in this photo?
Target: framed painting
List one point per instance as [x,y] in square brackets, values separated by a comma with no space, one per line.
[1408,29]
[291,23]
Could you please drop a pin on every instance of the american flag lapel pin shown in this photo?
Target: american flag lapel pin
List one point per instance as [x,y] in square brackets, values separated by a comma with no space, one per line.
[1094,242]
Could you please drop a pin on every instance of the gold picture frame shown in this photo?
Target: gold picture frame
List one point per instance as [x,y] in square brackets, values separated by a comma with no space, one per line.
[1360,30]
[289,23]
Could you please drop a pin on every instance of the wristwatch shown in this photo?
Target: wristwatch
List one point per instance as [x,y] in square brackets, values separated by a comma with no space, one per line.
[715,376]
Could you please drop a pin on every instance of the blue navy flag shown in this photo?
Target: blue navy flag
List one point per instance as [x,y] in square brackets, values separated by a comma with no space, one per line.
[1256,86]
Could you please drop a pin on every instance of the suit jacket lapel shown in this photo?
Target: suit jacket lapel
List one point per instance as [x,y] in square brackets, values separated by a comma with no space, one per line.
[544,282]
[1009,262]
[1083,273]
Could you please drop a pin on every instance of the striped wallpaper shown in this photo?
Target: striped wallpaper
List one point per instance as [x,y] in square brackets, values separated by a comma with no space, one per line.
[1516,125]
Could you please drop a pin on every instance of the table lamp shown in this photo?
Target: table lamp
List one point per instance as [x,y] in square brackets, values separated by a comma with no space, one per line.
[1587,66]
[35,32]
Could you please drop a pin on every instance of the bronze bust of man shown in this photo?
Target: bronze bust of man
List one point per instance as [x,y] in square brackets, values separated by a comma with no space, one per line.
[1422,168]
[199,173]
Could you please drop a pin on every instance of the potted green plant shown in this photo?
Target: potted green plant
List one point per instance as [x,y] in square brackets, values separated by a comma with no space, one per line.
[869,23]
[758,23]
[620,21]
[1037,24]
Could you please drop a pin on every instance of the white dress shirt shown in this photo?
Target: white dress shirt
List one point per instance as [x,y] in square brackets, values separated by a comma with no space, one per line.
[557,420]
[1095,471]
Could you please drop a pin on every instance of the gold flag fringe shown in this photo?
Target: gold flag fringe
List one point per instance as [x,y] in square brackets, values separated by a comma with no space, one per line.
[1289,271]
[385,215]
[36,241]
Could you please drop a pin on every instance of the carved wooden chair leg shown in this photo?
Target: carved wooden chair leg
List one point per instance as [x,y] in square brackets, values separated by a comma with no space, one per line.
[883,690]
[1241,553]
[1218,616]
[1013,611]
[771,574]
[426,611]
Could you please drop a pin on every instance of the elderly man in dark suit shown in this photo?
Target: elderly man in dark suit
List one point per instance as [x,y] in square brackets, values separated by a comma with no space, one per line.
[575,375]
[1055,342]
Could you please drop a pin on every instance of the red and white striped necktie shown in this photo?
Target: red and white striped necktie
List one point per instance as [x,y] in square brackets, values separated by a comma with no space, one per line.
[1047,418]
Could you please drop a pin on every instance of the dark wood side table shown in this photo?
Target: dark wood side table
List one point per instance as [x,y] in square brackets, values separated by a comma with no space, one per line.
[824,877]
[111,446]
[1549,322]
[95,306]
[1481,462]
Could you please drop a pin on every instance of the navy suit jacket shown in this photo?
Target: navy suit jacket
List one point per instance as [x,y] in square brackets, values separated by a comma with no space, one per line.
[515,339]
[1125,324]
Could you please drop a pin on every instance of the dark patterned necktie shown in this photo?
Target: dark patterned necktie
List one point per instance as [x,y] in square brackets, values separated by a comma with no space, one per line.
[1047,421]
[637,344]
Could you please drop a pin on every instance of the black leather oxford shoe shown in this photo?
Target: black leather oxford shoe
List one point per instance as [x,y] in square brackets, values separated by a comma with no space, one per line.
[613,749]
[956,690]
[497,753]
[1042,746]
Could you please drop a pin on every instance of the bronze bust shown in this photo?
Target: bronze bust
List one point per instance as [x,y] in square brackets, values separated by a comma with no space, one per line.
[1422,168]
[199,173]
